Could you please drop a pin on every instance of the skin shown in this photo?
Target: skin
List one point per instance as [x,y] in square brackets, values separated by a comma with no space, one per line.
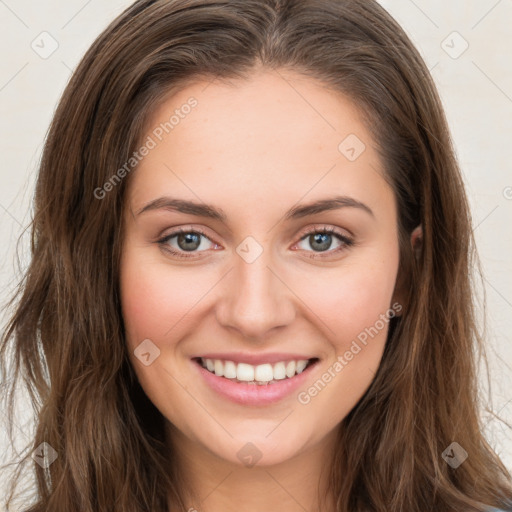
[256,148]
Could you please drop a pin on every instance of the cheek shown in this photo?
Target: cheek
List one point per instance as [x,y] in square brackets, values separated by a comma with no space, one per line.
[352,299]
[356,306]
[154,301]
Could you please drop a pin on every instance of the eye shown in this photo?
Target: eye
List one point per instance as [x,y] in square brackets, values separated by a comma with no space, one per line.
[187,241]
[322,239]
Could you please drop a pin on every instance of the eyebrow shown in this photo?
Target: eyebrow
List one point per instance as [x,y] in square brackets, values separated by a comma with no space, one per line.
[210,211]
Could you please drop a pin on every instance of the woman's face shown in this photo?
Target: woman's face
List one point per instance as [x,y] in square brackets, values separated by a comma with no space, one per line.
[252,279]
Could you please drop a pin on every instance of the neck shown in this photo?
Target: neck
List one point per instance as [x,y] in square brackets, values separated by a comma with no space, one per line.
[214,484]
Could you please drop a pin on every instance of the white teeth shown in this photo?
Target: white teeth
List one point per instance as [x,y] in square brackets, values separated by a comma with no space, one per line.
[219,368]
[290,369]
[263,373]
[279,371]
[230,370]
[244,371]
[301,365]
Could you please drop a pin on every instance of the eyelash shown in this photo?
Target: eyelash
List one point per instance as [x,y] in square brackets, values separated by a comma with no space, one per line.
[347,242]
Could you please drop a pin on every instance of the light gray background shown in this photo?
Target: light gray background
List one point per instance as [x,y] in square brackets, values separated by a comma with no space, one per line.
[475,87]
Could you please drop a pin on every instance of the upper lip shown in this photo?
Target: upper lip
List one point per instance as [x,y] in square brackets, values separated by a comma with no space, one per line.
[255,359]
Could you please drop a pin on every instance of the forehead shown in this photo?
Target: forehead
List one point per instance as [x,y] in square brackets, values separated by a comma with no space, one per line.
[277,136]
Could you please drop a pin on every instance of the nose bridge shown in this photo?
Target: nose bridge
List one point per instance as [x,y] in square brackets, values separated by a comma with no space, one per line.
[255,300]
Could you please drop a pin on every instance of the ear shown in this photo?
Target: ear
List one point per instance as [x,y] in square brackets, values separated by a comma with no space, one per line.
[416,241]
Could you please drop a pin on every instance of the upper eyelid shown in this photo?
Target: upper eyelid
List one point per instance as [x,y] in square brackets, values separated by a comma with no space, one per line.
[324,227]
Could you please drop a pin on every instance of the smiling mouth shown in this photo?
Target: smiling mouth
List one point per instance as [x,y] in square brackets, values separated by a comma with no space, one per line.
[262,374]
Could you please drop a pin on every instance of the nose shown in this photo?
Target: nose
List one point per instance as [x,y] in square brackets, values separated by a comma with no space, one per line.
[255,298]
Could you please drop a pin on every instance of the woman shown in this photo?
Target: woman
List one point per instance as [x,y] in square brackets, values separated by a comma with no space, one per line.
[250,276]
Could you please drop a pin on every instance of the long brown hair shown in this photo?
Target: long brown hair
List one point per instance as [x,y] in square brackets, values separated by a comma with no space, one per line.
[65,336]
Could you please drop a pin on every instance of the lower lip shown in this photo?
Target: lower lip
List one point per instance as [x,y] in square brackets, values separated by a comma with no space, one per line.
[254,394]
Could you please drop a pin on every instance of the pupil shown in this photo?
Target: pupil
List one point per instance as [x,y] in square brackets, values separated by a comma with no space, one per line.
[318,237]
[188,238]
